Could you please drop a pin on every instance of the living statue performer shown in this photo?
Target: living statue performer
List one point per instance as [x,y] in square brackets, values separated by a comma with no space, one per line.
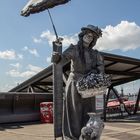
[84,59]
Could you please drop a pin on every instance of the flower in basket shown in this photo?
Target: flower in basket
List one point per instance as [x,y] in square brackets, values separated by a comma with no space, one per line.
[93,84]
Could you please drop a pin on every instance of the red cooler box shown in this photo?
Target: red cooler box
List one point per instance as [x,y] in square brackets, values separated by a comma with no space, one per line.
[46,112]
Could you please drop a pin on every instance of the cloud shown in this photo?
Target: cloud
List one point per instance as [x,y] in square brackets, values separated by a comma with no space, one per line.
[6,87]
[35,40]
[20,56]
[16,73]
[48,59]
[10,55]
[31,51]
[34,68]
[49,36]
[16,65]
[34,52]
[31,70]
[67,40]
[124,36]
[25,48]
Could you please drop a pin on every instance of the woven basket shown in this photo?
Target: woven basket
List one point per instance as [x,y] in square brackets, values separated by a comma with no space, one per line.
[88,93]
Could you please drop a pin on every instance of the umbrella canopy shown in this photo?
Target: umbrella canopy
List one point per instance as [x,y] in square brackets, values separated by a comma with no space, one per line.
[36,6]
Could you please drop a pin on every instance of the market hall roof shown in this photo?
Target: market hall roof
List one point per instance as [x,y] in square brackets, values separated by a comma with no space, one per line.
[123,69]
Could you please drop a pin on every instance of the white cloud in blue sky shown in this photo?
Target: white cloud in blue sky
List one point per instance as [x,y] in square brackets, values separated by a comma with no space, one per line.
[48,60]
[31,70]
[50,37]
[16,65]
[31,51]
[10,55]
[35,40]
[124,36]
[20,56]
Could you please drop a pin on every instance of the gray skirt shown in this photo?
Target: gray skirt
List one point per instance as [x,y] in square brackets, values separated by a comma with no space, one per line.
[75,109]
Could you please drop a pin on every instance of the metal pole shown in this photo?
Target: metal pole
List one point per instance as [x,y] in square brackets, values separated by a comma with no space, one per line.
[57,92]
[137,102]
[53,24]
[106,98]
[57,86]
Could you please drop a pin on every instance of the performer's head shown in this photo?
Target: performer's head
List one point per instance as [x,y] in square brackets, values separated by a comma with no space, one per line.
[89,35]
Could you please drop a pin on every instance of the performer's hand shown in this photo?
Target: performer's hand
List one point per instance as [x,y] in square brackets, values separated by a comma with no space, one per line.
[58,42]
[56,57]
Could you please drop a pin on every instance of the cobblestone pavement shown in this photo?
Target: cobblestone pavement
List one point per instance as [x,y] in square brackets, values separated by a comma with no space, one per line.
[114,130]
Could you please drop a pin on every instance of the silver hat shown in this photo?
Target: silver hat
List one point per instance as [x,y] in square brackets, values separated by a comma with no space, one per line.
[94,29]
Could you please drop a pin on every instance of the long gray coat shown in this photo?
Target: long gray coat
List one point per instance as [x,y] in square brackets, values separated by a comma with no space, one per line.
[75,108]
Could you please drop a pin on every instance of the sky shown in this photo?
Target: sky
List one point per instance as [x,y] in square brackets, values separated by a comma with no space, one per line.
[26,42]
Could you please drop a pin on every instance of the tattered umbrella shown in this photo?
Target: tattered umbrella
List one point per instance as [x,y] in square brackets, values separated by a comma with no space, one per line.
[36,6]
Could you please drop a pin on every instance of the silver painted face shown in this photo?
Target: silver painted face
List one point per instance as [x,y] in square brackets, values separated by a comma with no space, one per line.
[87,39]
